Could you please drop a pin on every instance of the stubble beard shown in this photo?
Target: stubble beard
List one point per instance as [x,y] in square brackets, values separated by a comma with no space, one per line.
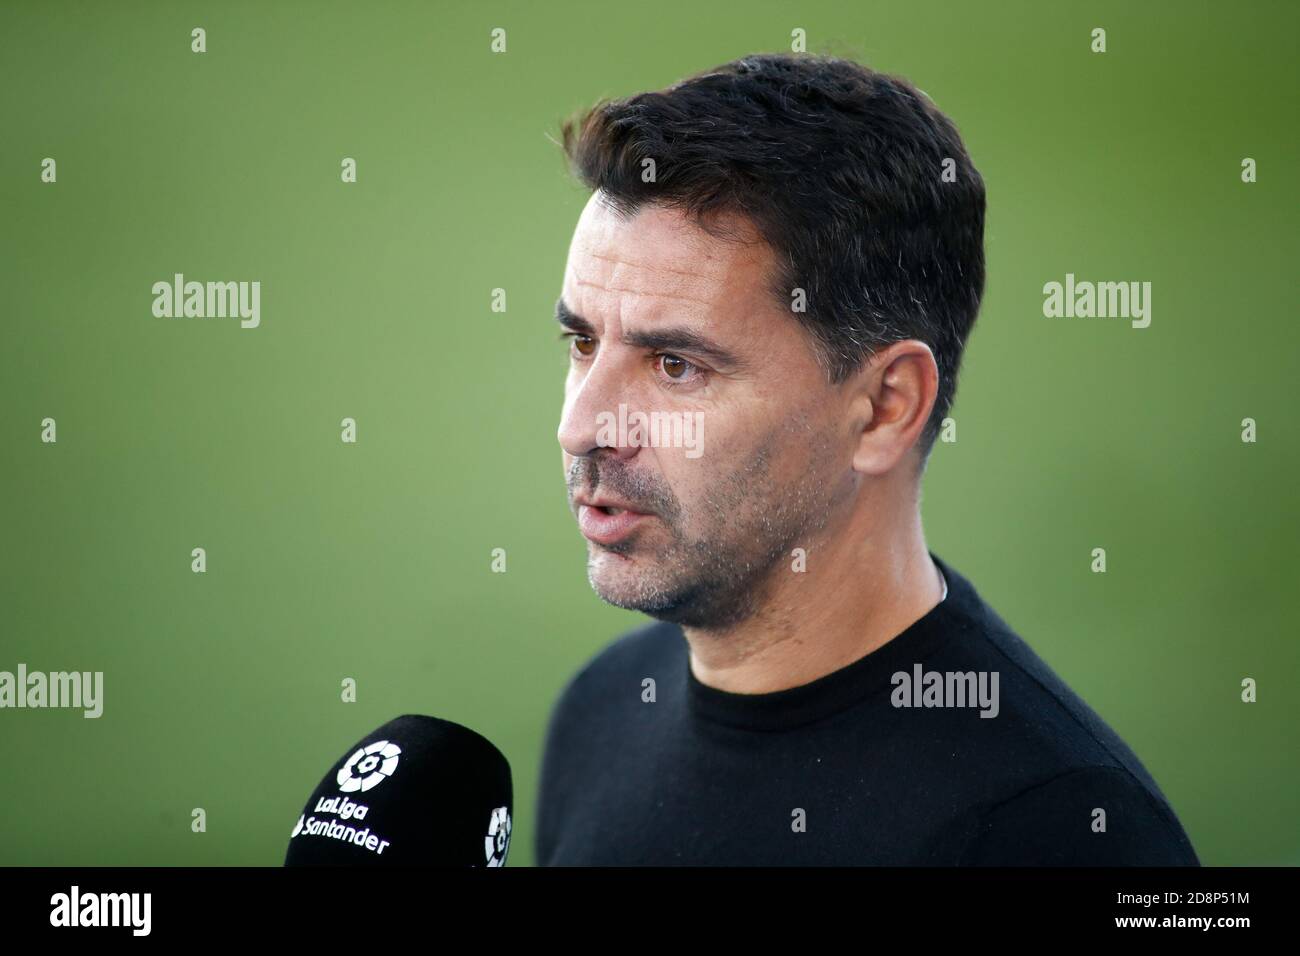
[745,529]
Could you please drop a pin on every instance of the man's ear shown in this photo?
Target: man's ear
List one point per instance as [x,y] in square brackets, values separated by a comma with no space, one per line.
[894,392]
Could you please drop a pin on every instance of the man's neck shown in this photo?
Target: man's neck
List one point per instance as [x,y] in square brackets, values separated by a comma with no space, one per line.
[858,591]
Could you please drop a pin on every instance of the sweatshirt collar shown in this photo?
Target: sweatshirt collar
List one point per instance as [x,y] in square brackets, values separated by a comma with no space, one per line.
[827,695]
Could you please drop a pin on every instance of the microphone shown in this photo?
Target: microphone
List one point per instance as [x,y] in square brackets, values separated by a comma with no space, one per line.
[418,791]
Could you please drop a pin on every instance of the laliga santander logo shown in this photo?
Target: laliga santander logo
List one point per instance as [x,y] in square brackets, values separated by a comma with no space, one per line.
[497,842]
[368,767]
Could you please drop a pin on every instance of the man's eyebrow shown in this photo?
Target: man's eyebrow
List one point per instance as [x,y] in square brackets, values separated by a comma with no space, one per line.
[680,339]
[663,340]
[571,320]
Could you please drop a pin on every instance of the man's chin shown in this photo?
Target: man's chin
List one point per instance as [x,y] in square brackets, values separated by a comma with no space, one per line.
[624,580]
[628,583]
[614,572]
[636,582]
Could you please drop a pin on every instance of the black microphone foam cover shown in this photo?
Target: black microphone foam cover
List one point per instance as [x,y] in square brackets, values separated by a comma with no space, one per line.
[418,791]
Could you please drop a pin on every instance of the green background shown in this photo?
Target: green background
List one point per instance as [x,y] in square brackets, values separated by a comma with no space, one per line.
[372,560]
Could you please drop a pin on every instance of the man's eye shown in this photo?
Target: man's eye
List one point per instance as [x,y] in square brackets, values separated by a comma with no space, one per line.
[582,344]
[677,368]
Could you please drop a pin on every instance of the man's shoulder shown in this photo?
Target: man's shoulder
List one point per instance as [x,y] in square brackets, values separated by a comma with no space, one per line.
[587,722]
[637,653]
[1067,762]
[1088,816]
[1033,698]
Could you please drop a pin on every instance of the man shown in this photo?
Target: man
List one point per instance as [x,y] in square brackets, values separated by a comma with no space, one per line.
[781,261]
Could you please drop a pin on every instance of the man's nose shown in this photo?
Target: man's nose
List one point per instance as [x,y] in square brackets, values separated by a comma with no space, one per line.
[591,416]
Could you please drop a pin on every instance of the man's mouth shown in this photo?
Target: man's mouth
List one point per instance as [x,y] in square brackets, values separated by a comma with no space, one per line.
[605,523]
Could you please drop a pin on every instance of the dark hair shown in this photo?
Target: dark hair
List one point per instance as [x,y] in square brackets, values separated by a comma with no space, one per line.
[840,169]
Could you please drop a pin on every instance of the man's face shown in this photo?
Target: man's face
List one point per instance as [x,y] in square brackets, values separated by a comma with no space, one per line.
[664,318]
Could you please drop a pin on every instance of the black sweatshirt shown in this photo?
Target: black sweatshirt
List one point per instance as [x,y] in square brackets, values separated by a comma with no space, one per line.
[838,771]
